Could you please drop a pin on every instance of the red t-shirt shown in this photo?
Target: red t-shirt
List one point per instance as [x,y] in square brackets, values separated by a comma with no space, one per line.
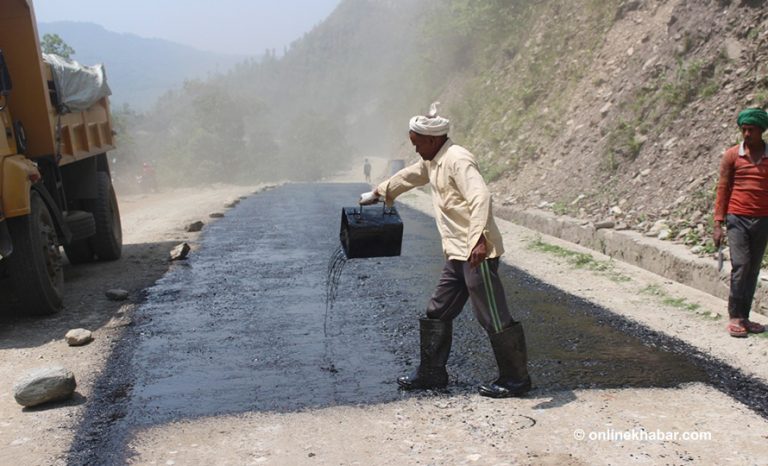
[743,186]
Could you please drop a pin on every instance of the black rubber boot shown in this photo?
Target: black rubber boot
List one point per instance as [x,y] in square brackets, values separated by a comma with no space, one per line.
[436,337]
[512,358]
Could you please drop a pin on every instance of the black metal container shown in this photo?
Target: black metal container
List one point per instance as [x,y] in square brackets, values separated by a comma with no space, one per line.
[371,232]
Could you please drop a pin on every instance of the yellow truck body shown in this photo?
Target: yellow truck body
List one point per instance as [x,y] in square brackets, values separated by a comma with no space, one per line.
[55,186]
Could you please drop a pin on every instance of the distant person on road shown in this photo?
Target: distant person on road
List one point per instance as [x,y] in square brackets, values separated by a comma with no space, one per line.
[742,204]
[367,171]
[472,245]
[148,178]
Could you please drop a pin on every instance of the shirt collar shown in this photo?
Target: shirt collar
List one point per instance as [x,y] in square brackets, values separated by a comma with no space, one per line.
[438,159]
[743,151]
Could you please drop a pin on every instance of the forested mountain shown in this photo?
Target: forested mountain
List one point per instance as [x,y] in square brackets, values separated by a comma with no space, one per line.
[139,70]
[594,108]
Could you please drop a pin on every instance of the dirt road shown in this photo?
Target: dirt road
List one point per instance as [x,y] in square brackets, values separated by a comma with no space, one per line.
[615,357]
[152,225]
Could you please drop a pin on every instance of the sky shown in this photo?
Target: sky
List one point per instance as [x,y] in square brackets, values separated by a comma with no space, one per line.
[243,27]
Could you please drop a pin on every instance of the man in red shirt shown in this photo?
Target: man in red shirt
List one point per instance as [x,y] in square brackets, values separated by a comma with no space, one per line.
[742,203]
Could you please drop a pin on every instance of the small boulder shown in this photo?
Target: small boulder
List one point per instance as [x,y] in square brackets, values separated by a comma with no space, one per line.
[604,224]
[194,227]
[44,385]
[216,215]
[117,294]
[180,252]
[78,337]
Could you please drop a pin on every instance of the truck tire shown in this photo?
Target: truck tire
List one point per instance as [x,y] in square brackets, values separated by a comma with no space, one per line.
[79,252]
[82,225]
[35,265]
[108,241]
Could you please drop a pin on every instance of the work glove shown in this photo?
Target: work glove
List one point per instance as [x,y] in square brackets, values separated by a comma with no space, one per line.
[368,198]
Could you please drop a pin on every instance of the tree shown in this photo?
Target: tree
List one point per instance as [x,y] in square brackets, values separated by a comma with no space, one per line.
[54,44]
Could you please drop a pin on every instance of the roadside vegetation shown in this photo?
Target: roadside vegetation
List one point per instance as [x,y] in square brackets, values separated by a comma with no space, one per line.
[580,260]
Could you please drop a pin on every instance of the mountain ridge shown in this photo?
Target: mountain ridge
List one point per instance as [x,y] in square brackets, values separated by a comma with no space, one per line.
[139,69]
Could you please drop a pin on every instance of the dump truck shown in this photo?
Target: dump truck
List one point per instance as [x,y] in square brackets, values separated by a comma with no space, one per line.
[55,185]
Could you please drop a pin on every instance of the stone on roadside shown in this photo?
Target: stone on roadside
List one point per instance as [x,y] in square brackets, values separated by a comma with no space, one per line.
[604,224]
[78,337]
[180,252]
[664,234]
[116,294]
[683,233]
[216,215]
[621,226]
[119,321]
[44,385]
[194,227]
[657,228]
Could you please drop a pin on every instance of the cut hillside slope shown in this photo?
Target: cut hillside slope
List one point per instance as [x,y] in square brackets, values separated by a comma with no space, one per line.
[618,111]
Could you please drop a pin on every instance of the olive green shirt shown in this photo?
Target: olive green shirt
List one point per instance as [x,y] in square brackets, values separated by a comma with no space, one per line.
[460,196]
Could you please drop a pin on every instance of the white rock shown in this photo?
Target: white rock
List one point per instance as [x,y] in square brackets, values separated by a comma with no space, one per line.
[180,252]
[44,385]
[78,337]
[664,234]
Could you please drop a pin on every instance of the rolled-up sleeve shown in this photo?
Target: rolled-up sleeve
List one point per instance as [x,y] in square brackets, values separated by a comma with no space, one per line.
[406,179]
[472,187]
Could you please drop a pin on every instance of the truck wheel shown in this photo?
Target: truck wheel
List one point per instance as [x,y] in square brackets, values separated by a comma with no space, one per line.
[108,241]
[35,265]
[82,225]
[79,252]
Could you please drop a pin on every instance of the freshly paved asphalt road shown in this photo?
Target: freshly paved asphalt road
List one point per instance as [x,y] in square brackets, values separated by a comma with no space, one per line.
[239,328]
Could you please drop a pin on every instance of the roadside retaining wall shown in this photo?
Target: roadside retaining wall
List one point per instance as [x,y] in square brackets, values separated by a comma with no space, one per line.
[669,260]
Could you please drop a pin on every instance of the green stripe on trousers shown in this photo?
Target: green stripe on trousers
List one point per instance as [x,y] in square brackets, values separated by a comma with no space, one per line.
[486,275]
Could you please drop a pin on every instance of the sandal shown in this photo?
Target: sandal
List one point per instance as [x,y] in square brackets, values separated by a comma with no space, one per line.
[753,327]
[737,330]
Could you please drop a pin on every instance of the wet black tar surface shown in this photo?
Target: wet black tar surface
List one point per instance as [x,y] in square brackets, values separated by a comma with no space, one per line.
[240,328]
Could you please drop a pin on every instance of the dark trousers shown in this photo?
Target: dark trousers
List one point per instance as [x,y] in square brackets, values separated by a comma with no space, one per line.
[747,238]
[481,285]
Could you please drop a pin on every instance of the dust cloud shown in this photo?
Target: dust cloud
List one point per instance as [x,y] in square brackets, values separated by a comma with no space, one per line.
[342,93]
